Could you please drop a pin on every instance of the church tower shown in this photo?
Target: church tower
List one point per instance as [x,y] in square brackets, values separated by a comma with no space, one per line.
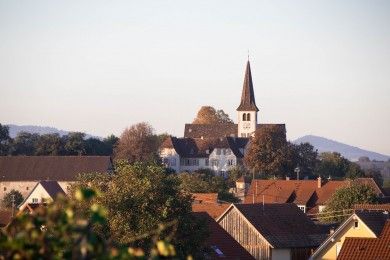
[247,110]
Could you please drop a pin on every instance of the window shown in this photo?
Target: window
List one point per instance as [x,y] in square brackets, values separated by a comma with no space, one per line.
[166,161]
[173,161]
[26,188]
[356,224]
[242,135]
[244,117]
[34,200]
[214,163]
[5,188]
[195,162]
[303,208]
[230,162]
[206,162]
[248,117]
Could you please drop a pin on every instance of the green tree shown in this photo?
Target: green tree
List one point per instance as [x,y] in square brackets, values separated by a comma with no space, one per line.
[344,199]
[138,143]
[141,197]
[269,153]
[209,115]
[49,144]
[354,171]
[336,166]
[110,141]
[59,232]
[24,143]
[7,199]
[74,143]
[305,157]
[376,175]
[4,140]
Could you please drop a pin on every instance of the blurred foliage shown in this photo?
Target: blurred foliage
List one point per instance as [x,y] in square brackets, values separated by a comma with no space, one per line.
[57,231]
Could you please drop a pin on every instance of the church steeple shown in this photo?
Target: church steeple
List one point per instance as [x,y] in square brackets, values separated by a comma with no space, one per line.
[247,110]
[247,97]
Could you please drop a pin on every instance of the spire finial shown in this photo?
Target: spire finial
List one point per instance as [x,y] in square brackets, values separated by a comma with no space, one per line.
[248,54]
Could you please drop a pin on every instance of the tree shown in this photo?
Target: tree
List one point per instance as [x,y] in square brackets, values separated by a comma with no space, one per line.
[59,232]
[305,157]
[139,198]
[24,143]
[110,142]
[269,153]
[49,144]
[74,143]
[376,175]
[336,166]
[344,199]
[209,115]
[4,139]
[138,143]
[7,200]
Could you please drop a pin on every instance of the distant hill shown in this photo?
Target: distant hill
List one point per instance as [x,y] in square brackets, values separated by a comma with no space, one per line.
[15,129]
[350,152]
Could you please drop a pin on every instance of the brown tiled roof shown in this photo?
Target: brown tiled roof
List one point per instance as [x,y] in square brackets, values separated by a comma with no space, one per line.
[301,192]
[282,225]
[59,168]
[248,96]
[202,147]
[367,248]
[375,220]
[213,209]
[205,197]
[218,130]
[5,217]
[52,188]
[220,240]
[369,207]
[210,130]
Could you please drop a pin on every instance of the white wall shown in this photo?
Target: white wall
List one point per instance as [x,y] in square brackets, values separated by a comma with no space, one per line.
[222,159]
[252,123]
[24,187]
[38,193]
[171,156]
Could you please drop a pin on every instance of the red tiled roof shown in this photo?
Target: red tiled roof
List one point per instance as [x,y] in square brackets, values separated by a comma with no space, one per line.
[301,192]
[372,206]
[367,248]
[205,197]
[219,241]
[213,209]
[5,217]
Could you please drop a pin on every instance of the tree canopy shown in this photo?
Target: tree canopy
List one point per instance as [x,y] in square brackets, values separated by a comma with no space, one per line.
[336,166]
[7,199]
[138,143]
[139,198]
[209,115]
[4,139]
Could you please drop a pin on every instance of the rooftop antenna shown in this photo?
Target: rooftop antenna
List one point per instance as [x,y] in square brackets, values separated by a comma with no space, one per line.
[263,202]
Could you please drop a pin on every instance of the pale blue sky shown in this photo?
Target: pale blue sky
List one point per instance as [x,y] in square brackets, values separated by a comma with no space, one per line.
[321,67]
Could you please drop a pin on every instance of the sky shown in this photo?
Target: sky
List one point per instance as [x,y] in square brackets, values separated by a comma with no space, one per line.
[320,67]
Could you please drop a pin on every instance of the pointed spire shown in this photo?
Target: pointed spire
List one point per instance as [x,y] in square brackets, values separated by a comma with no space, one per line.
[247,97]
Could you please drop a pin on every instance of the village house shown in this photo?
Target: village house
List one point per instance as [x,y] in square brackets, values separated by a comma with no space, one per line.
[367,248]
[272,231]
[309,195]
[208,203]
[361,224]
[22,173]
[43,192]
[219,147]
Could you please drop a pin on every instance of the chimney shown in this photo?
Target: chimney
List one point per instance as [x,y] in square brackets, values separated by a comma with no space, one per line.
[287,178]
[319,182]
[331,231]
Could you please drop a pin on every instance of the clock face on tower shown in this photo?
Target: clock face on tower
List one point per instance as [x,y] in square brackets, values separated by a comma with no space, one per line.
[246,125]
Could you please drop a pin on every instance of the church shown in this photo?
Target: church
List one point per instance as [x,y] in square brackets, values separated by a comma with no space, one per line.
[219,147]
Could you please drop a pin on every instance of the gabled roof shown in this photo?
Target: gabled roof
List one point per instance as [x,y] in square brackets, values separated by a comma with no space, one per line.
[213,209]
[370,207]
[219,241]
[367,248]
[248,96]
[374,220]
[282,225]
[205,197]
[59,168]
[300,192]
[203,147]
[52,188]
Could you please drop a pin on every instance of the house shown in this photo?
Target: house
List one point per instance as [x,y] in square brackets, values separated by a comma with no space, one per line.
[43,192]
[219,243]
[309,195]
[208,203]
[272,231]
[367,248]
[362,223]
[22,173]
[218,147]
